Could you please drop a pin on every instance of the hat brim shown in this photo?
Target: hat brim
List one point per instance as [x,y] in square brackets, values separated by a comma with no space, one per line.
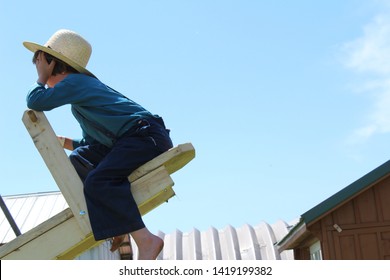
[37,47]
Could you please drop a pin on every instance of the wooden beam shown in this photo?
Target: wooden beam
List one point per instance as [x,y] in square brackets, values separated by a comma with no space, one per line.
[173,160]
[43,241]
[59,165]
[151,185]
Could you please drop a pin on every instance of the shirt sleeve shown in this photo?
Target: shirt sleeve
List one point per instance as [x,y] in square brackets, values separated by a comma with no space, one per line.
[41,98]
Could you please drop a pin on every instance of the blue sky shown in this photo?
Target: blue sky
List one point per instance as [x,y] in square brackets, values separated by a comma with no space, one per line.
[286,102]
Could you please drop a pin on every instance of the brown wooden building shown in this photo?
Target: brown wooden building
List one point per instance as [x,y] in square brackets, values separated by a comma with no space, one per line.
[352,224]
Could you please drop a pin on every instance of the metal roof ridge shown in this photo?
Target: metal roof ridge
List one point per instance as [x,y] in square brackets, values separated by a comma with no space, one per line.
[43,193]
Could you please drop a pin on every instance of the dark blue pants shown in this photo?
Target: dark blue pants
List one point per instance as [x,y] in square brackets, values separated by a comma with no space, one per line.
[104,171]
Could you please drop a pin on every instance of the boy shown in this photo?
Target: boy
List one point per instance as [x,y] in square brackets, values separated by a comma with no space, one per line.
[119,135]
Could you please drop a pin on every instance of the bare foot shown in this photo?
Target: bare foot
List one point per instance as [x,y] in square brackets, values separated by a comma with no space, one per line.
[149,245]
[150,249]
[116,242]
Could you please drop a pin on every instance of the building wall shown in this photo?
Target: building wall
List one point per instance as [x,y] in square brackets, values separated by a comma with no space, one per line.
[360,229]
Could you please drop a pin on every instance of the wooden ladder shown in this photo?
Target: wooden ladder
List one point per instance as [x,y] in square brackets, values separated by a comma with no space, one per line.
[68,234]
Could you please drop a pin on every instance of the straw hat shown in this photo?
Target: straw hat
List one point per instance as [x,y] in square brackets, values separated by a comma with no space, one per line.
[67,46]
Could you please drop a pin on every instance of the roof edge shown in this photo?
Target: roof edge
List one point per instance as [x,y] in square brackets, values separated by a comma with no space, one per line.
[10,196]
[347,193]
[294,236]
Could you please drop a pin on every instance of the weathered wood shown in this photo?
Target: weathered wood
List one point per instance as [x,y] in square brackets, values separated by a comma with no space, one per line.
[173,160]
[151,185]
[75,250]
[49,243]
[62,237]
[33,245]
[22,240]
[59,165]
[157,200]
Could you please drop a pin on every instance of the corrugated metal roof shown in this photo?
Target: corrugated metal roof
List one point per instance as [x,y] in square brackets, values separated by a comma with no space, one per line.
[243,243]
[29,210]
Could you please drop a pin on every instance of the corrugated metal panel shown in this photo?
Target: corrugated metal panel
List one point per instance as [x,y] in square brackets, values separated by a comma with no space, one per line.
[29,210]
[243,243]
[101,252]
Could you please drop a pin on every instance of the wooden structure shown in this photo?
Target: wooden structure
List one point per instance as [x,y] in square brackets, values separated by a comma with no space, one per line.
[352,224]
[68,234]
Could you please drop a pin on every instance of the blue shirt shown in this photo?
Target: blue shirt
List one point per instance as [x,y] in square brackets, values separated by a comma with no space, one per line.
[103,113]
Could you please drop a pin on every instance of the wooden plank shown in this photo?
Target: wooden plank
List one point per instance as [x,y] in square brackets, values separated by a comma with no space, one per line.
[47,245]
[39,230]
[59,165]
[151,185]
[173,160]
[26,245]
[77,249]
[157,200]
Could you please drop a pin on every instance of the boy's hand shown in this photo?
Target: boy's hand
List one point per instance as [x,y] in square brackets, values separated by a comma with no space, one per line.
[44,69]
[66,142]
